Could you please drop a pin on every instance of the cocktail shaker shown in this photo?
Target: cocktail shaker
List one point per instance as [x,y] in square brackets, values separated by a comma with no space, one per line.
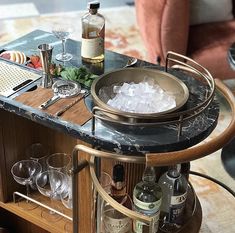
[46,56]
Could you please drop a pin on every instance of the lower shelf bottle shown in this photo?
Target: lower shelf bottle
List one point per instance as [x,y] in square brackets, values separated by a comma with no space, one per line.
[174,187]
[147,197]
[113,220]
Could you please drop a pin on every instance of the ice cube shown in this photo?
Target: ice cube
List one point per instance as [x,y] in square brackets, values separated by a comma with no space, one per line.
[143,97]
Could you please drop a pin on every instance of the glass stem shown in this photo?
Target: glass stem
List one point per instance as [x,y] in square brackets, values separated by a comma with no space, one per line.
[63,47]
[52,203]
[27,192]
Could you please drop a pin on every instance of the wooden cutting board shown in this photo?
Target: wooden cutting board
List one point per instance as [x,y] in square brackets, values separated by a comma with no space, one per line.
[77,114]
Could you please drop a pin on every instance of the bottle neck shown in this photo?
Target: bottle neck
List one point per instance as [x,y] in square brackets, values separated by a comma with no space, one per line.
[93,11]
[118,189]
[119,185]
[149,175]
[174,171]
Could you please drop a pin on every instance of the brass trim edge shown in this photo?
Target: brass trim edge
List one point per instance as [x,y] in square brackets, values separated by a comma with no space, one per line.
[78,165]
[130,213]
[40,204]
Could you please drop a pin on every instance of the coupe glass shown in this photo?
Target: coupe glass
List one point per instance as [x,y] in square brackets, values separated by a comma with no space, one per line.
[62,32]
[24,172]
[52,184]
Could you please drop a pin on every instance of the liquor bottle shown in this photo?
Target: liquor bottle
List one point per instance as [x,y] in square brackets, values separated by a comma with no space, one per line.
[185,169]
[113,220]
[93,30]
[174,187]
[147,197]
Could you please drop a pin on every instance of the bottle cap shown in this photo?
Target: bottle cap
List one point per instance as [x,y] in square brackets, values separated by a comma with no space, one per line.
[174,171]
[118,173]
[93,5]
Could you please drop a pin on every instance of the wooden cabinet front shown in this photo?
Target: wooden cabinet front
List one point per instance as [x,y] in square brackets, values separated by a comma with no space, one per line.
[16,134]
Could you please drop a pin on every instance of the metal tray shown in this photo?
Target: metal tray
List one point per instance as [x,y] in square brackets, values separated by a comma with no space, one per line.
[165,80]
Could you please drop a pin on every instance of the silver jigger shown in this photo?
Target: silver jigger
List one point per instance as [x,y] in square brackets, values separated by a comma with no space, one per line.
[46,55]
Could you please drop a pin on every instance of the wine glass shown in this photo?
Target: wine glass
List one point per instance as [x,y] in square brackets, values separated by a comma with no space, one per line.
[67,199]
[62,32]
[24,173]
[39,153]
[61,162]
[52,184]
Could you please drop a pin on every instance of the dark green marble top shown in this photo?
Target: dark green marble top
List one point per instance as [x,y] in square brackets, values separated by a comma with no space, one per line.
[154,139]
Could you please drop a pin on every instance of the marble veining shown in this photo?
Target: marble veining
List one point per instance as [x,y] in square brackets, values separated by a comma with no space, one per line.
[131,141]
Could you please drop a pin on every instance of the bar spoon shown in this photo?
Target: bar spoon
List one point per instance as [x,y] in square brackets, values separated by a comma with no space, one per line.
[131,61]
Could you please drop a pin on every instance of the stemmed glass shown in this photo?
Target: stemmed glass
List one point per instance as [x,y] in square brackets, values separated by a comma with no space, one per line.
[67,201]
[24,172]
[62,32]
[52,184]
[62,162]
[38,152]
[59,162]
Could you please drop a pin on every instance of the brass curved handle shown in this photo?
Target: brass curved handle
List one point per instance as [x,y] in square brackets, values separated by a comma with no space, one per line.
[130,213]
[78,165]
[202,149]
[193,67]
[190,65]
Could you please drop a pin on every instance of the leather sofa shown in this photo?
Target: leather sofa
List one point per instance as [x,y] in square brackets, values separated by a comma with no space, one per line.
[165,26]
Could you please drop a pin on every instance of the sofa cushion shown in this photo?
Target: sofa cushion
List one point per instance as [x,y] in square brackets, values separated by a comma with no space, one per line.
[164,26]
[209,44]
[207,11]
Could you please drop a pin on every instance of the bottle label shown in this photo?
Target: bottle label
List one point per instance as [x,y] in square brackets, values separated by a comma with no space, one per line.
[138,226]
[151,206]
[117,225]
[176,200]
[92,47]
[177,208]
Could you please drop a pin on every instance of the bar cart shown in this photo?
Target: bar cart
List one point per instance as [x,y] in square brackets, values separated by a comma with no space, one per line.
[100,145]
[193,220]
